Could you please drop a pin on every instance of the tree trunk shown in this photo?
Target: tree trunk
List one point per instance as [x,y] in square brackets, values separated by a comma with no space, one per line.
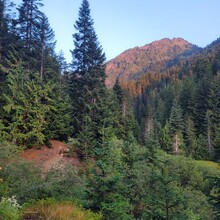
[176,144]
[148,128]
[124,107]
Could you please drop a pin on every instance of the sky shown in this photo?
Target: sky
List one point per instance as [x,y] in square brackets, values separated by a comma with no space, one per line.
[124,24]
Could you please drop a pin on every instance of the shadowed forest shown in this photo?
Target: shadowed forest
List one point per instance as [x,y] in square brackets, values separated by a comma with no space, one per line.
[137,137]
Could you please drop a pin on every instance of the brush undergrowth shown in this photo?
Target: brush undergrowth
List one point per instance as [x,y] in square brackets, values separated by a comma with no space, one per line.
[51,209]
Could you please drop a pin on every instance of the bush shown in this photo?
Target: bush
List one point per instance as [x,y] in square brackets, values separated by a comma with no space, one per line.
[8,151]
[9,209]
[52,209]
[64,183]
[23,179]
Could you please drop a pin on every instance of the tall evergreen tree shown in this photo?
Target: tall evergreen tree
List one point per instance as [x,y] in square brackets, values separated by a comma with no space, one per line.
[29,14]
[87,54]
[28,29]
[200,105]
[94,118]
[176,126]
[87,83]
[213,117]
[3,26]
[32,111]
[46,45]
[165,139]
[190,136]
[176,119]
[5,35]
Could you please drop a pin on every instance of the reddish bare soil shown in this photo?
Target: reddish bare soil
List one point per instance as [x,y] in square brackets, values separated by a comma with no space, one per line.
[50,157]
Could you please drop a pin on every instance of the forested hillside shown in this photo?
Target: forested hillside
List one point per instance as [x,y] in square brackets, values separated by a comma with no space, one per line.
[152,61]
[140,134]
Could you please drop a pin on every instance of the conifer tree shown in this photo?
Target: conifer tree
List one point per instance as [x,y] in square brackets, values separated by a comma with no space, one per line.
[87,54]
[93,113]
[214,115]
[34,111]
[176,120]
[6,40]
[3,26]
[190,135]
[28,29]
[46,44]
[29,14]
[165,139]
[200,105]
[87,83]
[176,126]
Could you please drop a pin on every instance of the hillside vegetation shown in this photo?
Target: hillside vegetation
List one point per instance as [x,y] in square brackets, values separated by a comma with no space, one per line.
[135,138]
[151,62]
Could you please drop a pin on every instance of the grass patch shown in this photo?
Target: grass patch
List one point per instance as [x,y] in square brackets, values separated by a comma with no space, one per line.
[52,209]
[209,164]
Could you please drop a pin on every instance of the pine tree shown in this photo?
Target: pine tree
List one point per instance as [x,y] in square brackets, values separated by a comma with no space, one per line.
[176,120]
[165,139]
[87,83]
[187,95]
[200,105]
[93,111]
[6,36]
[28,25]
[190,134]
[3,27]
[215,198]
[46,46]
[213,116]
[87,54]
[33,110]
[176,126]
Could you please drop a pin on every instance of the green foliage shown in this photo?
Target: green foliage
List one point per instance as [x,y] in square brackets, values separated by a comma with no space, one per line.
[190,137]
[3,133]
[63,183]
[34,111]
[201,151]
[176,119]
[119,177]
[25,180]
[8,151]
[58,117]
[87,54]
[105,183]
[214,113]
[187,95]
[93,119]
[58,210]
[165,139]
[215,196]
[166,196]
[9,209]
[27,117]
[169,187]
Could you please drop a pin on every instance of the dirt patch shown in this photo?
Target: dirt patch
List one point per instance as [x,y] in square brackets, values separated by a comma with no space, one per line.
[49,157]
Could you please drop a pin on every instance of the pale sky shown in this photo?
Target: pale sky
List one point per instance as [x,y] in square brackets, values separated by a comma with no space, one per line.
[124,24]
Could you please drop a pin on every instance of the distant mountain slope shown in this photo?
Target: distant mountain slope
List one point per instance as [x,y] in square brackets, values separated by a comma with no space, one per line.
[152,58]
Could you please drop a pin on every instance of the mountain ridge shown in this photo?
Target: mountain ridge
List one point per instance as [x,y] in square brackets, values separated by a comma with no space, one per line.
[150,58]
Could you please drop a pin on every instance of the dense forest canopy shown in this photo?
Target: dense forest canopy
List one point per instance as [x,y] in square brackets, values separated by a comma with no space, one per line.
[148,143]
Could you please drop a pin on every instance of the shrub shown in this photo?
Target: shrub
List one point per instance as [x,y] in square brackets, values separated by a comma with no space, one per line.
[23,179]
[52,209]
[9,209]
